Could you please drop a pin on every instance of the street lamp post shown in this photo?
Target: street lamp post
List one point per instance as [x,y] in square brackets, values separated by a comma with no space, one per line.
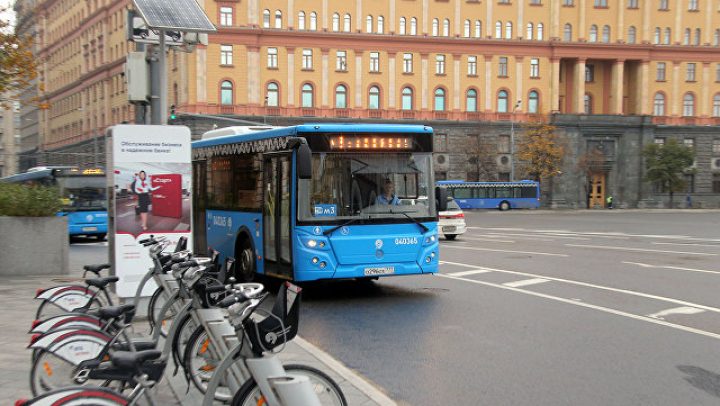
[512,141]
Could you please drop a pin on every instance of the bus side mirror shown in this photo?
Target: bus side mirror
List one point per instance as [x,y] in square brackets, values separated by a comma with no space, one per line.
[303,157]
[441,198]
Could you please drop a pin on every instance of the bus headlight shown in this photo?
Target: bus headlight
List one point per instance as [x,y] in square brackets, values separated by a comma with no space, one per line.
[428,259]
[432,255]
[312,243]
[430,239]
[321,244]
[323,264]
[315,260]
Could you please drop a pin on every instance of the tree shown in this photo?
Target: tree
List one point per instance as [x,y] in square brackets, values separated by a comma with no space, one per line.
[482,155]
[540,150]
[18,65]
[666,165]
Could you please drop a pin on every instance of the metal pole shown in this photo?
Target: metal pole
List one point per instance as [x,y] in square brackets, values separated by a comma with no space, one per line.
[155,79]
[512,141]
[163,80]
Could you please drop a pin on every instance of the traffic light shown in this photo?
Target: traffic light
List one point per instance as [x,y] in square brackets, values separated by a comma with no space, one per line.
[172,112]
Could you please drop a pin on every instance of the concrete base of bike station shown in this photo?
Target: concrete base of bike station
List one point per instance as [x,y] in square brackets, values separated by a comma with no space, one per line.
[18,313]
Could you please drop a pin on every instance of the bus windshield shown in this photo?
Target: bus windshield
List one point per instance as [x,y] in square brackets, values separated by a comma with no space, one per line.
[82,193]
[367,186]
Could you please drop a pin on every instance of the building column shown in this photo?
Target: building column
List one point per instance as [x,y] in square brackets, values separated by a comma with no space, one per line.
[201,71]
[456,81]
[424,81]
[391,80]
[644,102]
[488,83]
[291,77]
[554,84]
[616,86]
[325,87]
[579,87]
[358,79]
[647,30]
[518,83]
[291,14]
[253,76]
[705,105]
[554,33]
[581,22]
[676,99]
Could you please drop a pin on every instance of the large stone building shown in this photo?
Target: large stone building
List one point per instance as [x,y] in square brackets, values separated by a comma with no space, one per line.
[612,75]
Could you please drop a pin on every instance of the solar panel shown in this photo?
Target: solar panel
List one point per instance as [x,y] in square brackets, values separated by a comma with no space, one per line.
[175,15]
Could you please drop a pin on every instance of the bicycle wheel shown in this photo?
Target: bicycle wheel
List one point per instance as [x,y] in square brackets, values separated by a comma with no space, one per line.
[157,301]
[200,362]
[325,387]
[80,396]
[50,372]
[49,309]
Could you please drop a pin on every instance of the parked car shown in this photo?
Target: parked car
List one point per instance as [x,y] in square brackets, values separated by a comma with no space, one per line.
[452,220]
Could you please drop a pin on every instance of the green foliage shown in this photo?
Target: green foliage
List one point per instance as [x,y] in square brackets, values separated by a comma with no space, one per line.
[666,164]
[28,200]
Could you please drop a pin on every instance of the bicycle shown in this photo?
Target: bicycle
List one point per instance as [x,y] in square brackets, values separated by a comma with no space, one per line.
[73,297]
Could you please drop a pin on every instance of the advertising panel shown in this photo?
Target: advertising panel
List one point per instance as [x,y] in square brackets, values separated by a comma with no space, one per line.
[151,195]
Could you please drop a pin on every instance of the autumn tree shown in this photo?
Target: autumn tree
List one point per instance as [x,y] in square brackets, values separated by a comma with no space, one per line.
[540,150]
[18,65]
[666,165]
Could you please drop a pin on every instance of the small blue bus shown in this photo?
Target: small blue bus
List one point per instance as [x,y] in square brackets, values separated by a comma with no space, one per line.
[524,194]
[304,202]
[83,194]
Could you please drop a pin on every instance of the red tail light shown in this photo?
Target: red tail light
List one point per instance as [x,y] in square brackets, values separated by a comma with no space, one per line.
[34,338]
[454,216]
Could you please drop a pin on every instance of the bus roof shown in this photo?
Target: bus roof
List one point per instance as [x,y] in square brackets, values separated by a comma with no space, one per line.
[26,176]
[311,128]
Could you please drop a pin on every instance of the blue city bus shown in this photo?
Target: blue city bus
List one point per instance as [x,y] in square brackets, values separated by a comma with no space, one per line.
[524,194]
[82,192]
[302,202]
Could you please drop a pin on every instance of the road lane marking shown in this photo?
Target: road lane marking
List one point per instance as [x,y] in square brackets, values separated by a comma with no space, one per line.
[589,306]
[606,247]
[468,273]
[505,251]
[590,285]
[487,238]
[678,268]
[526,282]
[688,244]
[676,310]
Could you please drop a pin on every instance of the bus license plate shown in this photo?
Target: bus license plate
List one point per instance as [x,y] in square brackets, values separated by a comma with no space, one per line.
[89,228]
[388,270]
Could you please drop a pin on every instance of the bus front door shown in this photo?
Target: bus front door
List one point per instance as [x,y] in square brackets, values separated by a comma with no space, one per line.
[277,183]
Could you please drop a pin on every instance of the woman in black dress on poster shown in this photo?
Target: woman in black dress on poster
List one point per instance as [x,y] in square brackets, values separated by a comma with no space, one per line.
[143,189]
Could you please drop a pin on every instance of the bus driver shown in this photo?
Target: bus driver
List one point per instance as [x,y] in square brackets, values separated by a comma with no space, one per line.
[387,196]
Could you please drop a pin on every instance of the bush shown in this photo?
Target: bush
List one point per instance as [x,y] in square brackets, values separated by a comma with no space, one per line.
[28,200]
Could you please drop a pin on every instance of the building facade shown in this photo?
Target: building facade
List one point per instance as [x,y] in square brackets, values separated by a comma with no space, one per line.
[612,75]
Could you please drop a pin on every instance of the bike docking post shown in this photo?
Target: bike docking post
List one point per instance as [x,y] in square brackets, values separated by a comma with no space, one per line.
[272,379]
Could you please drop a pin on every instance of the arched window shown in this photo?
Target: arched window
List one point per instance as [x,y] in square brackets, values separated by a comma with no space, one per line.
[440,99]
[446,28]
[466,30]
[347,24]
[478,29]
[659,105]
[226,93]
[381,25]
[716,105]
[498,29]
[529,31]
[435,27]
[336,22]
[717,37]
[471,100]
[272,98]
[688,105]
[502,101]
[374,98]
[686,37]
[631,35]
[533,102]
[340,97]
[301,20]
[278,19]
[308,95]
[413,26]
[407,98]
[656,37]
[266,18]
[369,24]
[508,30]
[697,36]
[567,32]
[588,104]
[668,33]
[606,34]
[402,26]
[593,33]
[540,33]
[313,21]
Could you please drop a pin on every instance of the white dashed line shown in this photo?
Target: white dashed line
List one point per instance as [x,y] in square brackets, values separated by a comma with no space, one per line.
[526,282]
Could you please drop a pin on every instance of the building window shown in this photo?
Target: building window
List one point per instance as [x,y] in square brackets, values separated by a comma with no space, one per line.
[498,29]
[631,35]
[272,97]
[689,143]
[413,26]
[533,102]
[690,74]
[502,101]
[503,67]
[407,63]
[369,24]
[589,73]
[226,55]
[446,28]
[272,61]
[472,65]
[313,21]
[471,100]
[716,105]
[568,2]
[686,37]
[407,98]
[504,144]
[716,147]
[441,143]
[340,97]
[301,20]
[401,26]
[478,30]
[659,140]
[717,72]
[341,61]
[278,19]
[540,33]
[588,104]
[226,93]
[307,59]
[660,75]
[226,16]
[440,99]
[689,183]
[535,68]
[567,32]
[593,33]
[716,183]
[656,37]
[632,3]
[600,3]
[374,61]
[374,98]
[697,36]
[381,25]
[435,27]
[308,95]
[716,42]
[659,105]
[336,22]
[466,30]
[440,64]
[688,105]
[509,30]
[692,4]
[266,18]
[347,23]
[606,34]
[662,4]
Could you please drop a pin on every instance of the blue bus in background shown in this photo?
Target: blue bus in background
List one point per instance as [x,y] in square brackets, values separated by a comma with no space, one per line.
[493,195]
[301,203]
[83,193]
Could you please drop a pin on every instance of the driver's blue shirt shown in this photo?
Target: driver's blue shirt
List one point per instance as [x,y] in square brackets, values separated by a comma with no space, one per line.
[392,201]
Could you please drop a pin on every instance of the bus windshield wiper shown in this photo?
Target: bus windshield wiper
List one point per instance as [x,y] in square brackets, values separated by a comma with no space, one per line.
[424,228]
[347,223]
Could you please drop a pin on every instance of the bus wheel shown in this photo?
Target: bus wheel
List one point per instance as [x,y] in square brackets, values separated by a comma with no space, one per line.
[504,206]
[246,270]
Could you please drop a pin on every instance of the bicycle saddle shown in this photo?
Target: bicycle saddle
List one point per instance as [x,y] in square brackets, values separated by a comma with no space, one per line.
[113,312]
[131,360]
[101,282]
[96,268]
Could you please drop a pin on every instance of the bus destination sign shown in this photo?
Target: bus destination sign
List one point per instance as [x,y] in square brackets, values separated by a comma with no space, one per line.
[356,143]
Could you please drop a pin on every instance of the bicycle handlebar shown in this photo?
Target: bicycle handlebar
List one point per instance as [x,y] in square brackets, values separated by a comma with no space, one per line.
[229,301]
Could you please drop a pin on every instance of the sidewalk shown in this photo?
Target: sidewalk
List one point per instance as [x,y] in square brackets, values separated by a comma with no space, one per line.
[18,312]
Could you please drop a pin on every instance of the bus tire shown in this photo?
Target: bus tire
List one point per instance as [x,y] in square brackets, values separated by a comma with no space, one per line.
[245,266]
[504,206]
